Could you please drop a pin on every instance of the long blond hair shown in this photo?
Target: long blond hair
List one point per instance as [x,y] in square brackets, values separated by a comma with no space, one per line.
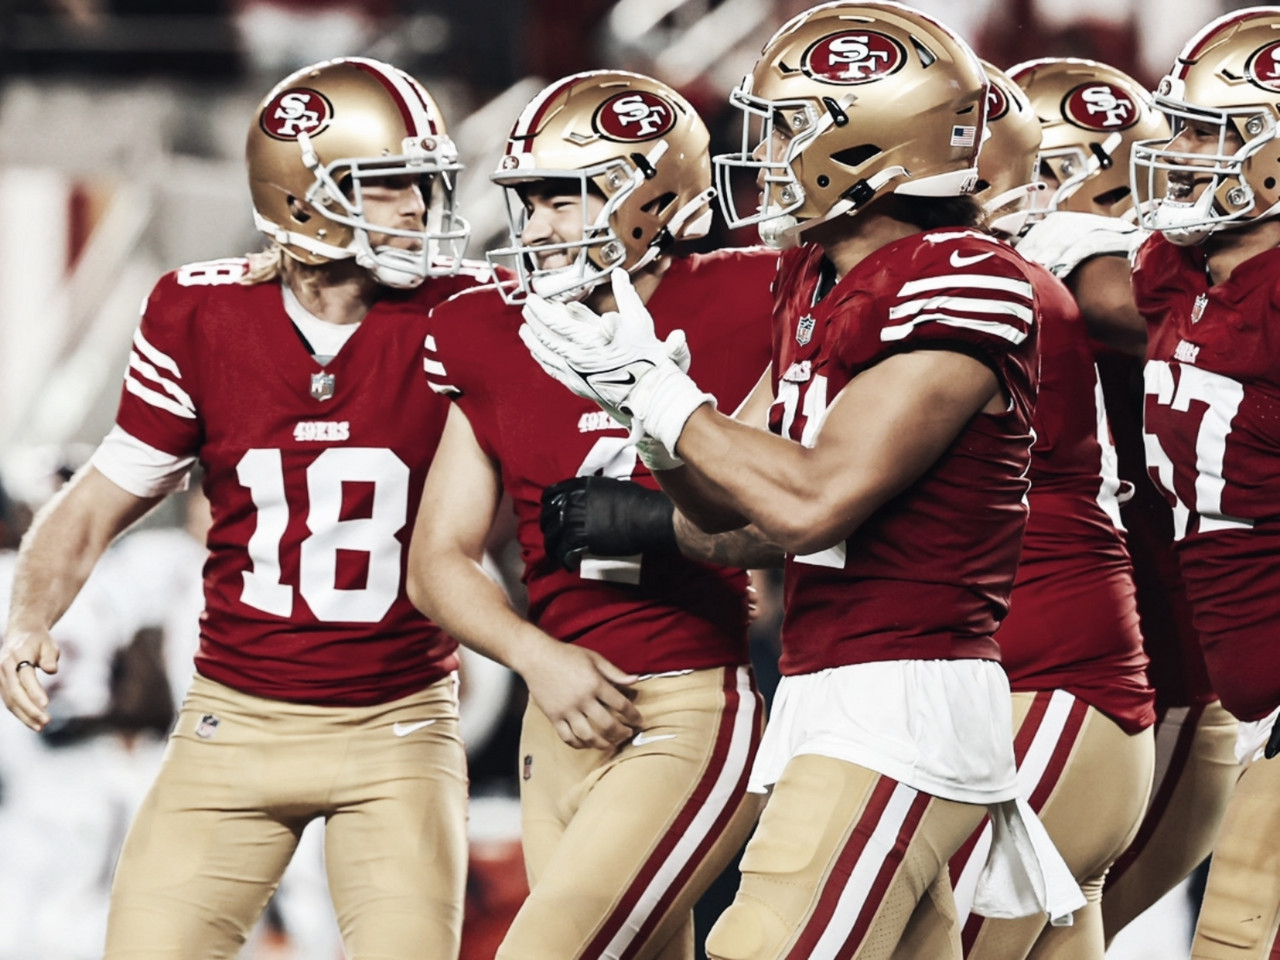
[265,265]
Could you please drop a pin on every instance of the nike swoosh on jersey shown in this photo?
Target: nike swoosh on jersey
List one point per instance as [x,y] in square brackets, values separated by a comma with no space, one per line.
[641,739]
[961,261]
[401,729]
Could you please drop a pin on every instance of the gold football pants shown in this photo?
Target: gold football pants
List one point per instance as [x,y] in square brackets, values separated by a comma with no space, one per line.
[619,844]
[241,778]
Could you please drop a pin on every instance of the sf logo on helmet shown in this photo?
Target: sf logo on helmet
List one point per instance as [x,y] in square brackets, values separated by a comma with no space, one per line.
[1100,106]
[853,57]
[635,116]
[296,111]
[997,102]
[1264,67]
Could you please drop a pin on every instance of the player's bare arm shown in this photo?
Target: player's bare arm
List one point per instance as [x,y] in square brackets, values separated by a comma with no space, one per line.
[881,433]
[696,497]
[55,560]
[1103,289]
[583,694]
[746,547]
[883,430]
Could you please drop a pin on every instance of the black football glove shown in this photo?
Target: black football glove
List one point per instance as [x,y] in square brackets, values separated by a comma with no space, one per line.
[606,518]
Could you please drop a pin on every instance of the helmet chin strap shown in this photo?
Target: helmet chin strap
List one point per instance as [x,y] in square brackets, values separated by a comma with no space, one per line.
[568,284]
[383,267]
[1013,223]
[783,230]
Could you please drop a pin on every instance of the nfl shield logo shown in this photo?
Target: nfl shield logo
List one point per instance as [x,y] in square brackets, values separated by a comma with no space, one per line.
[207,726]
[322,385]
[804,330]
[1197,311]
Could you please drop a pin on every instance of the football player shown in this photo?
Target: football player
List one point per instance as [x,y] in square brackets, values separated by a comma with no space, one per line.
[294,378]
[644,717]
[1207,286]
[1070,644]
[902,381]
[1090,110]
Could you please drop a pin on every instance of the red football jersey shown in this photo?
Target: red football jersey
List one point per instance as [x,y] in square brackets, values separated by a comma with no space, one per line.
[928,575]
[681,614]
[1073,619]
[313,475]
[1213,446]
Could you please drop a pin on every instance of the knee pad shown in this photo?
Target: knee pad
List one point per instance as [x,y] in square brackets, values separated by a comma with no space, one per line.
[743,932]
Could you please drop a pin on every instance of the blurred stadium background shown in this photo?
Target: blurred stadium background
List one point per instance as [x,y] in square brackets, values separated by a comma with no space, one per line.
[122,126]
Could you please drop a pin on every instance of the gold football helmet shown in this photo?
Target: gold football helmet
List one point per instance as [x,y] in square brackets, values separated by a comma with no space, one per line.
[1008,162]
[632,139]
[328,128]
[1226,81]
[1091,115]
[848,102]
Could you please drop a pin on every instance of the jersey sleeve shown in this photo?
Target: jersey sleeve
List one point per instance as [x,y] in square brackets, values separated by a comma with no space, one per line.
[460,351]
[139,468]
[979,301]
[970,295]
[158,403]
[445,362]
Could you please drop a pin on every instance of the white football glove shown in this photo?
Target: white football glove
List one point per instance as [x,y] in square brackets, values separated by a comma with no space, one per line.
[617,360]
[1065,239]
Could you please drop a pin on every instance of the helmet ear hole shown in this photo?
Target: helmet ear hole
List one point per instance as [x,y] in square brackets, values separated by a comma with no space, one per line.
[297,211]
[856,156]
[658,205]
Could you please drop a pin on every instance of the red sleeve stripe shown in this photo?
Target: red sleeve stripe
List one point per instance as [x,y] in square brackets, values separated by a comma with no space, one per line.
[696,827]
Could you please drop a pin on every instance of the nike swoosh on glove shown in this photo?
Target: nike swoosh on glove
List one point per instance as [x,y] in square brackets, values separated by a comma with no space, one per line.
[616,360]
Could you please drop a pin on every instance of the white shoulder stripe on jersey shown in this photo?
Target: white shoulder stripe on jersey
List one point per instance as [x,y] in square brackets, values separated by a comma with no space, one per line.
[434,367]
[994,327]
[447,389]
[959,281]
[156,399]
[151,373]
[963,305]
[430,343]
[155,356]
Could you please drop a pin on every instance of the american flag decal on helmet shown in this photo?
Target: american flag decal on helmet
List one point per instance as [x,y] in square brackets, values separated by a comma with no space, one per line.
[963,136]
